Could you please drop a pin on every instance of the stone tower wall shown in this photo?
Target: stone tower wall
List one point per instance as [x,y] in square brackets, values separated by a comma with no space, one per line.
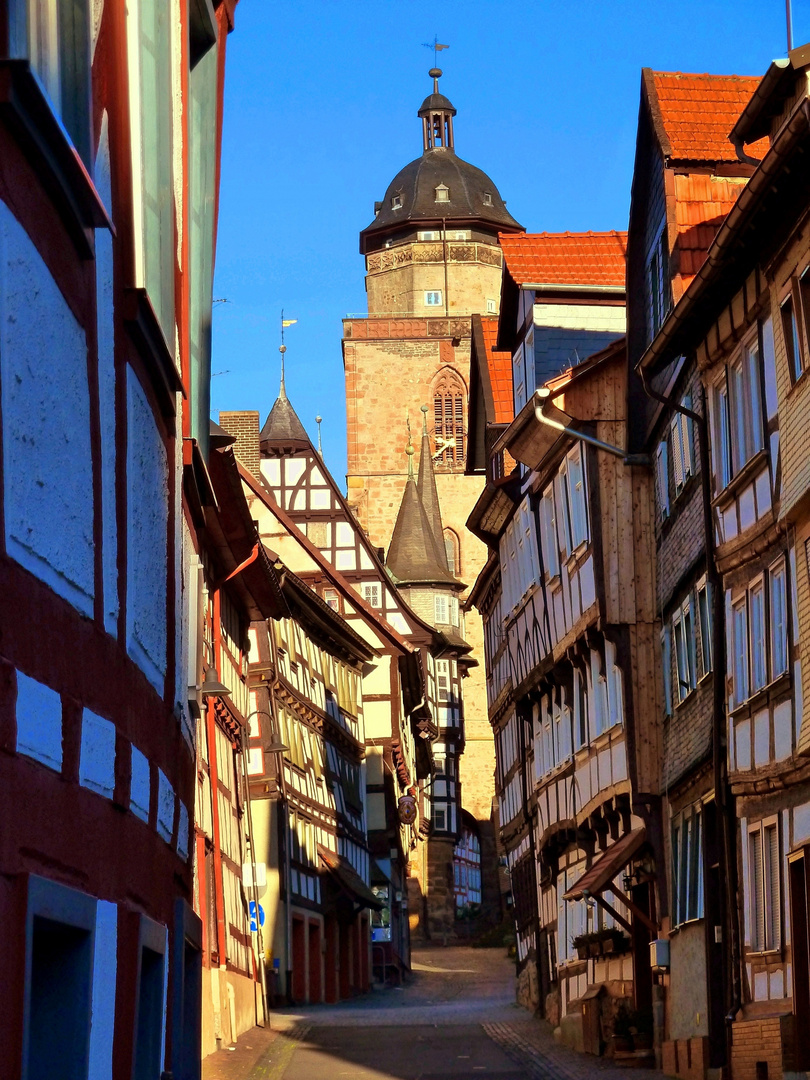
[398,277]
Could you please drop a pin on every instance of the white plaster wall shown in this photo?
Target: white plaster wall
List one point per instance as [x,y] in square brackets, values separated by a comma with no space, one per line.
[581,316]
[106,388]
[147,523]
[140,785]
[165,809]
[48,481]
[97,760]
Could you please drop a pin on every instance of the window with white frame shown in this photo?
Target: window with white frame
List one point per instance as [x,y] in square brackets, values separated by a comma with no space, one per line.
[454,615]
[580,708]
[737,413]
[705,621]
[615,693]
[662,479]
[759,632]
[687,866]
[55,38]
[682,446]
[577,502]
[548,534]
[684,637]
[764,886]
[433,298]
[666,667]
[441,609]
[793,345]
[371,591]
[520,564]
[599,713]
[519,378]
[492,307]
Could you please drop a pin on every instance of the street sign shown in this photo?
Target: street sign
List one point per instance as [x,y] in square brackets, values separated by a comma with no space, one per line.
[252,910]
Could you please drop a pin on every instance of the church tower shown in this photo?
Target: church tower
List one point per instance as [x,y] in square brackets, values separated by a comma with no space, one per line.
[432,261]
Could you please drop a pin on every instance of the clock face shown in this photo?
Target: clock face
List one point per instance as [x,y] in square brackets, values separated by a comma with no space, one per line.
[407,810]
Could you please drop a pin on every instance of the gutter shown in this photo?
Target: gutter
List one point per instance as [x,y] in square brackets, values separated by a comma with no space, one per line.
[558,286]
[542,415]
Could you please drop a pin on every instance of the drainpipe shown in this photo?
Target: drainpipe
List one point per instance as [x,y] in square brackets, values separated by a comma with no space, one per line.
[728,847]
[546,397]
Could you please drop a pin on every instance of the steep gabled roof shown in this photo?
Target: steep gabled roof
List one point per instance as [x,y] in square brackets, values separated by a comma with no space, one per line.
[595,259]
[429,496]
[693,114]
[498,370]
[413,554]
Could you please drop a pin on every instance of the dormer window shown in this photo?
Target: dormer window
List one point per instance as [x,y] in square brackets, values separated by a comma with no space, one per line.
[442,193]
[487,199]
[396,202]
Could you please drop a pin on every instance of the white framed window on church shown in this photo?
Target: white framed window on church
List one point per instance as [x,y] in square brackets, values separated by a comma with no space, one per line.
[441,610]
[433,298]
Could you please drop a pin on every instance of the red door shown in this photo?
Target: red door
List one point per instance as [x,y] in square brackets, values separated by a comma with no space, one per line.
[315,989]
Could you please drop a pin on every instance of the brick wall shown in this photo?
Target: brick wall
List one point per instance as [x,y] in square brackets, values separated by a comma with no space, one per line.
[244,426]
[768,1040]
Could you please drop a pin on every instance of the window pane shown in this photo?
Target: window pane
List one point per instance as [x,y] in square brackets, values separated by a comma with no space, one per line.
[757,899]
[792,344]
[738,413]
[662,479]
[759,666]
[779,657]
[769,368]
[704,614]
[681,661]
[772,920]
[576,494]
[722,448]
[740,635]
[689,637]
[754,441]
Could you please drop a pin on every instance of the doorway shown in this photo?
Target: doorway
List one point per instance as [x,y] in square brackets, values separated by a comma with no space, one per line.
[798,866]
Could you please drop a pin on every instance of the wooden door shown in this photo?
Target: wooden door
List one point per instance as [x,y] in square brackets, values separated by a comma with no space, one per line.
[798,868]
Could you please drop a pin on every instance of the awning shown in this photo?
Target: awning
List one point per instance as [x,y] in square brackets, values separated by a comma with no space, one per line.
[348,880]
[605,869]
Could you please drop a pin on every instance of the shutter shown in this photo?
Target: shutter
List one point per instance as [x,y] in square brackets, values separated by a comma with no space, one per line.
[757,898]
[662,476]
[686,438]
[677,452]
[676,853]
[772,935]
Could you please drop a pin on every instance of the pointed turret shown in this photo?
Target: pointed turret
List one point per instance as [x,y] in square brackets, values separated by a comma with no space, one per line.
[413,557]
[282,427]
[426,486]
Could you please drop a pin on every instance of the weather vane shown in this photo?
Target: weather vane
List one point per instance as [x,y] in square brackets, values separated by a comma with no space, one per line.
[283,348]
[437,48]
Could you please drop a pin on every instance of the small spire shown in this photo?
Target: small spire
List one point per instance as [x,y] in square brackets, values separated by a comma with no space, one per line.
[283,349]
[426,486]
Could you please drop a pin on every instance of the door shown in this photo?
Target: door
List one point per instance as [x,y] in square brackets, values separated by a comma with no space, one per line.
[798,867]
[315,990]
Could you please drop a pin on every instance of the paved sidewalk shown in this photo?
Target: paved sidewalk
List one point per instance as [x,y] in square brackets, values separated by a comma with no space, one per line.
[531,1044]
[259,1054]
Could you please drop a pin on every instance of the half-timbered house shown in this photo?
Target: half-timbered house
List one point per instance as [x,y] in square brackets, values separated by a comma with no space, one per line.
[579,778]
[110,119]
[741,321]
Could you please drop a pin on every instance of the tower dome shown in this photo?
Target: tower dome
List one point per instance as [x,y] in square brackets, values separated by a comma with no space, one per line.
[439,185]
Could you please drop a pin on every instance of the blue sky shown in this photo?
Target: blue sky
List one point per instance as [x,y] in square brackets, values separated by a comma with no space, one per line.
[320,113]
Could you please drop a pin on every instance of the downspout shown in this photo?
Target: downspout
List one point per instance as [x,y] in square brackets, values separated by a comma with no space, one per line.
[525,720]
[583,436]
[719,762]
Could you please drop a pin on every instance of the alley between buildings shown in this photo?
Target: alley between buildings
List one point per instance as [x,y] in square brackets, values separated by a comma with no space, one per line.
[455,1017]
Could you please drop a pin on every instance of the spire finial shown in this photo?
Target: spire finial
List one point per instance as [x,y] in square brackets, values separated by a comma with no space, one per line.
[282,393]
[318,421]
[409,450]
[424,419]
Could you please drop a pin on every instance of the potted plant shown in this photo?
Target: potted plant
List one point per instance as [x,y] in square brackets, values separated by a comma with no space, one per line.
[582,944]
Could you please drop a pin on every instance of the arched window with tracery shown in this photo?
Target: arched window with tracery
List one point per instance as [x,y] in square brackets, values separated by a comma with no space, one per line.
[449,416]
[452,549]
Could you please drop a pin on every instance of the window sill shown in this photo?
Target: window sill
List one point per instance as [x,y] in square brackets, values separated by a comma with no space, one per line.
[802,379]
[743,477]
[147,333]
[761,696]
[28,115]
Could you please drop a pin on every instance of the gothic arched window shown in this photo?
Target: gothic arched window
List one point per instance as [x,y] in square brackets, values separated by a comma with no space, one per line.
[449,394]
[453,550]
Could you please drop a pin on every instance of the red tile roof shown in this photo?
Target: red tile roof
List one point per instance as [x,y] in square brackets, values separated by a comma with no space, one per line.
[701,204]
[694,114]
[567,258]
[500,373]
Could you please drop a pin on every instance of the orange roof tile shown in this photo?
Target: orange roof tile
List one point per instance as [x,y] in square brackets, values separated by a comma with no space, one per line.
[695,113]
[591,258]
[701,204]
[500,373]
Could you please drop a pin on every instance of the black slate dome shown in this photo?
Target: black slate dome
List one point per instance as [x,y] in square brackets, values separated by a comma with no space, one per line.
[439,185]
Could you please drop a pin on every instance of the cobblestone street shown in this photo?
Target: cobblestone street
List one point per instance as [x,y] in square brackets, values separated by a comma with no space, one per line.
[456,1018]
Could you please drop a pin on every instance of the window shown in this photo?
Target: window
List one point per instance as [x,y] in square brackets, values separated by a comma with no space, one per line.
[454,610]
[738,413]
[721,443]
[576,497]
[441,610]
[442,193]
[548,534]
[396,202]
[705,620]
[764,886]
[492,307]
[600,697]
[55,37]
[149,1035]
[687,866]
[662,479]
[519,378]
[614,686]
[759,658]
[682,458]
[659,293]
[372,593]
[332,598]
[778,598]
[459,234]
[487,198]
[451,548]
[666,664]
[439,818]
[739,623]
[449,395]
[804,294]
[430,235]
[683,631]
[793,348]
[580,709]
[155,254]
[433,298]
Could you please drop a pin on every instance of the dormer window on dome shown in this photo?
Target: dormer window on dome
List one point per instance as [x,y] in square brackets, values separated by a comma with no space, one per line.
[396,202]
[487,198]
[442,193]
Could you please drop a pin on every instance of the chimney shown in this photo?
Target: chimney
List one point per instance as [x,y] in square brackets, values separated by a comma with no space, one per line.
[244,427]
